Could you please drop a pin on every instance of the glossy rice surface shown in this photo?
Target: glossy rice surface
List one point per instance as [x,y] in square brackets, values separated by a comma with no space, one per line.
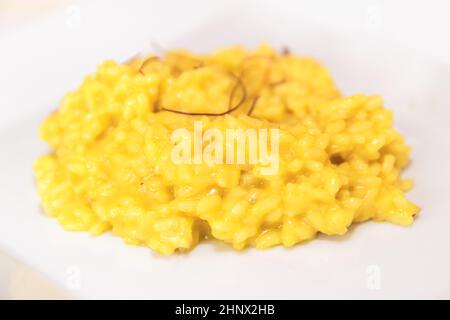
[110,167]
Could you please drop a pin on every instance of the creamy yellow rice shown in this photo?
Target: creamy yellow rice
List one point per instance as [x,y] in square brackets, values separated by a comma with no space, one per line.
[110,168]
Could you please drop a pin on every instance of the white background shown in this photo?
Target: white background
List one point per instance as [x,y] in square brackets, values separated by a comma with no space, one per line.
[46,47]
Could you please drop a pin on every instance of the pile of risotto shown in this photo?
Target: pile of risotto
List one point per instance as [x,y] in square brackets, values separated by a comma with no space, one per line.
[340,158]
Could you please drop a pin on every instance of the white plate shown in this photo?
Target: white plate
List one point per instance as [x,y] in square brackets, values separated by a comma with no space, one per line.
[42,61]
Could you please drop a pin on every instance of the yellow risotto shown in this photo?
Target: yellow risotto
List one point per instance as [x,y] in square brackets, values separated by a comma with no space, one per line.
[340,158]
